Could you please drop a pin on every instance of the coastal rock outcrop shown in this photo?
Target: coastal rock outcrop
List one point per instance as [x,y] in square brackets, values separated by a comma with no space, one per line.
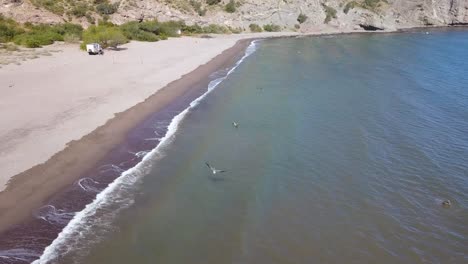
[321,14]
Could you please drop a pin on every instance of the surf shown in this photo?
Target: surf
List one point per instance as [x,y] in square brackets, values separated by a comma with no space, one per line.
[90,224]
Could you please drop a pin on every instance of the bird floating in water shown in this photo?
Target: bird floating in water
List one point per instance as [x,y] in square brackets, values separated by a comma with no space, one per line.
[446,203]
[234,124]
[213,169]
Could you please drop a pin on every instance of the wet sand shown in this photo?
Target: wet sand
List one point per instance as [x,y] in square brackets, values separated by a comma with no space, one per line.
[31,189]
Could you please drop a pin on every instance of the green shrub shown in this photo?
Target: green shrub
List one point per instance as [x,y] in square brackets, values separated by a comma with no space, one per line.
[106,35]
[40,35]
[370,4]
[133,31]
[79,10]
[349,6]
[90,19]
[301,18]
[255,28]
[197,6]
[9,29]
[230,7]
[330,13]
[67,28]
[55,6]
[213,2]
[271,28]
[216,29]
[33,43]
[71,38]
[106,8]
[193,29]
[37,39]
[237,30]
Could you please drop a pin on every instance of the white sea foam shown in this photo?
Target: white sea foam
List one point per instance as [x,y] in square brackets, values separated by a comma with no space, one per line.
[87,185]
[53,215]
[17,254]
[98,215]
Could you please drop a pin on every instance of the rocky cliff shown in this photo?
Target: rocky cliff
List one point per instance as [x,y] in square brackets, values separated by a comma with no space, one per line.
[316,14]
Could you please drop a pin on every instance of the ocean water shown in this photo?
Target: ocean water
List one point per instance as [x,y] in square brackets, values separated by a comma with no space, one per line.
[346,147]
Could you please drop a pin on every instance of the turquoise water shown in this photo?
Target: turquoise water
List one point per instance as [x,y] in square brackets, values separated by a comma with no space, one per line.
[346,148]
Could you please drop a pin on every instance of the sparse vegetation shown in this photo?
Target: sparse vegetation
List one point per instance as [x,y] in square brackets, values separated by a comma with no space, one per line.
[330,13]
[54,6]
[105,33]
[213,2]
[271,28]
[302,18]
[197,6]
[231,7]
[349,6]
[36,36]
[77,8]
[9,47]
[255,28]
[106,8]
[372,5]
[33,36]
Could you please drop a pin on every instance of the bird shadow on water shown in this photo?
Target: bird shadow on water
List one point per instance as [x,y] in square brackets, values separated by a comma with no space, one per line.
[217,179]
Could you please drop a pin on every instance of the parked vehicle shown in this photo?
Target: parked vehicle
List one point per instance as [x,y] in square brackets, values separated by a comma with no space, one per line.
[94,48]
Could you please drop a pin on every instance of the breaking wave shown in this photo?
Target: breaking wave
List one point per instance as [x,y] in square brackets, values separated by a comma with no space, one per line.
[89,225]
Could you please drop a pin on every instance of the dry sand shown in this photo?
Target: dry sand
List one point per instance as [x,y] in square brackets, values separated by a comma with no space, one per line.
[47,102]
[71,99]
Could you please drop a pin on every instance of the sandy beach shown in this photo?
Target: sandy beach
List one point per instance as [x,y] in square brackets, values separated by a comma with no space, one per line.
[60,114]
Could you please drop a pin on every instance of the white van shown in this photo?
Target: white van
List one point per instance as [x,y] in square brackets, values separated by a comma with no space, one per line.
[94,48]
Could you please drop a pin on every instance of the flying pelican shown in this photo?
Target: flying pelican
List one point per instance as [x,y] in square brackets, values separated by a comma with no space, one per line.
[214,170]
[236,125]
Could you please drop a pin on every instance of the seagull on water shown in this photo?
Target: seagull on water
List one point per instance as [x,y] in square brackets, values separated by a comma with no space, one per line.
[236,125]
[214,170]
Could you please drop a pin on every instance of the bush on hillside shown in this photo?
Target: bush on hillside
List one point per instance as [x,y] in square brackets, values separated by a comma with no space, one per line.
[213,2]
[302,18]
[197,6]
[255,28]
[216,29]
[53,6]
[9,29]
[330,13]
[79,10]
[372,4]
[106,8]
[271,28]
[230,7]
[349,6]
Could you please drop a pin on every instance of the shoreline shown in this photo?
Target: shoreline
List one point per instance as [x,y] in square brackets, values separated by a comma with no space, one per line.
[125,133]
[29,192]
[66,166]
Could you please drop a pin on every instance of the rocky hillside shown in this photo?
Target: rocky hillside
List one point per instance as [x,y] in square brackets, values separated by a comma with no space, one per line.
[304,15]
